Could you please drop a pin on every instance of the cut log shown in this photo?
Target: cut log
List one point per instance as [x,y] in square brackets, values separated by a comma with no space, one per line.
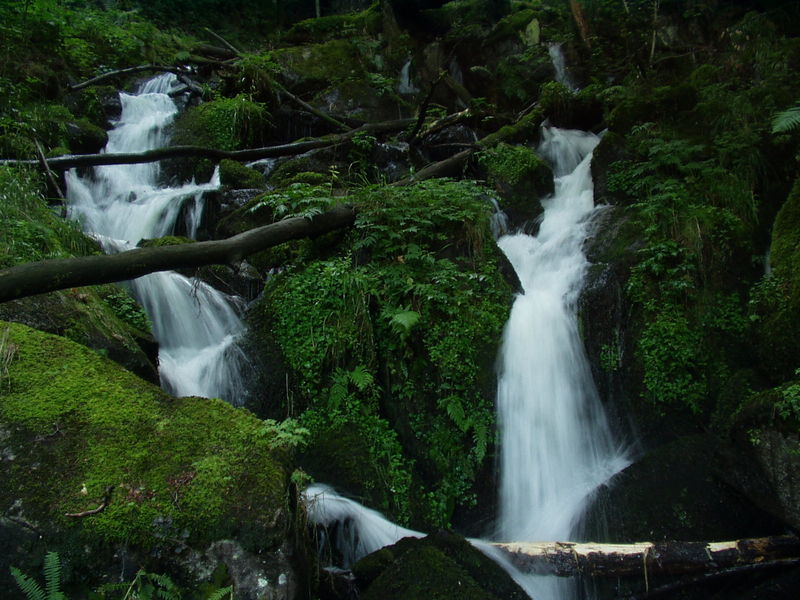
[92,160]
[646,558]
[49,275]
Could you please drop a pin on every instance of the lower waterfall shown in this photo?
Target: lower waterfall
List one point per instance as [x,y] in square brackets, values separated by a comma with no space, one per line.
[556,446]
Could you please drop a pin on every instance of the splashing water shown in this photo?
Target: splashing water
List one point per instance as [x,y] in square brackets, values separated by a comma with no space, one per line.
[556,444]
[196,326]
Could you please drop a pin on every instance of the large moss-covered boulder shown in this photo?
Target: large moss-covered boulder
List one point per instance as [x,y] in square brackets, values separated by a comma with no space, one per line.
[170,477]
[439,567]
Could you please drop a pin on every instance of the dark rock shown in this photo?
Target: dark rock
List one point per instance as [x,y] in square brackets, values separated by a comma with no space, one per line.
[235,175]
[441,566]
[696,488]
[85,138]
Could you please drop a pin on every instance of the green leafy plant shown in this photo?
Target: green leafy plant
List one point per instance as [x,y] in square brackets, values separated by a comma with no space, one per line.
[52,577]
[787,120]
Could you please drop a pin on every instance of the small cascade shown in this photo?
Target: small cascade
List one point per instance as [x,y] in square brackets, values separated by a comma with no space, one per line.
[560,65]
[405,85]
[356,530]
[556,445]
[196,325]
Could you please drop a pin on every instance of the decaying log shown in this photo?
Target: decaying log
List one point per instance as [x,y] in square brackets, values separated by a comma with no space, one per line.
[128,71]
[49,275]
[92,160]
[646,558]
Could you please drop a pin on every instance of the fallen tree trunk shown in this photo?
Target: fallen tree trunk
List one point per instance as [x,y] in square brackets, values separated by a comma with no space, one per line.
[645,559]
[93,160]
[50,275]
[128,71]
[449,167]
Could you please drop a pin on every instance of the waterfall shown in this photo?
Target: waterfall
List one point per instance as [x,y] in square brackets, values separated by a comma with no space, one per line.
[556,445]
[195,325]
[560,65]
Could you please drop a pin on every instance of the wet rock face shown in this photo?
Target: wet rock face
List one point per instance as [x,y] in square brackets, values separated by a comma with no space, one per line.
[695,488]
[779,455]
[442,565]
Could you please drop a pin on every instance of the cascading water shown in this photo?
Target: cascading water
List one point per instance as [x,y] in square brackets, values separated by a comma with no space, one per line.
[195,325]
[556,445]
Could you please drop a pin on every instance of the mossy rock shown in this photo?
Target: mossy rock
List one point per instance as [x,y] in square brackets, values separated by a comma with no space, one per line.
[524,131]
[366,22]
[439,567]
[313,68]
[181,472]
[235,175]
[103,318]
[301,167]
[167,240]
[571,110]
[776,300]
[85,137]
[369,100]
[520,177]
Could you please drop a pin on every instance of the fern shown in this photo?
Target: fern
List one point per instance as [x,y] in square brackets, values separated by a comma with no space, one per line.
[32,590]
[787,120]
[361,378]
[52,576]
[222,593]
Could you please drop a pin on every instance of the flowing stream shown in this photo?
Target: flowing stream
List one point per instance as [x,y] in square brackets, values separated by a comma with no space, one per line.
[195,325]
[556,446]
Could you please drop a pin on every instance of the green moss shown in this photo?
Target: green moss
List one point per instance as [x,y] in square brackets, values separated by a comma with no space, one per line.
[234,174]
[318,65]
[79,422]
[413,302]
[785,250]
[328,27]
[167,240]
[524,131]
[225,124]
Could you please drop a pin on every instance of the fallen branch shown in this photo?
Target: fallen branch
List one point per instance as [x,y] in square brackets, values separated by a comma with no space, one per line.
[112,74]
[94,511]
[50,275]
[645,559]
[51,177]
[324,116]
[448,167]
[93,160]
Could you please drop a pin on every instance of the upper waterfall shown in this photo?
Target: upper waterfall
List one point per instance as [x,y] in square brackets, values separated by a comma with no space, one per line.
[196,325]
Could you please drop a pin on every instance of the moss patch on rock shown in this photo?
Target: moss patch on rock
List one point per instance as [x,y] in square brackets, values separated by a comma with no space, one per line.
[235,175]
[181,470]
[433,568]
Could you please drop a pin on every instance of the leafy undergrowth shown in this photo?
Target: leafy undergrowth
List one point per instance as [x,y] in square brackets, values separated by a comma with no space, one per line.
[391,337]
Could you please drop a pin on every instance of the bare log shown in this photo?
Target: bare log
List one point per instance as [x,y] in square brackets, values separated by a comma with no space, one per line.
[128,71]
[92,160]
[645,559]
[50,275]
[448,167]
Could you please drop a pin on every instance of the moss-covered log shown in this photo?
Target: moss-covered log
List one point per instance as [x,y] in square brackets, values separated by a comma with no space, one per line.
[50,275]
[646,558]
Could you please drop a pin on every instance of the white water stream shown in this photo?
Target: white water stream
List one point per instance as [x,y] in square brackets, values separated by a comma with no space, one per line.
[556,445]
[195,325]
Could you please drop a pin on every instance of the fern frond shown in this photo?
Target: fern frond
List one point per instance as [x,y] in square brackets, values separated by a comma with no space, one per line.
[52,576]
[222,593]
[787,120]
[32,590]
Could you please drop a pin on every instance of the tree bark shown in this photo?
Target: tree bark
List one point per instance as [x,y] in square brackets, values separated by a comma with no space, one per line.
[93,160]
[645,559]
[128,71]
[50,275]
[448,167]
